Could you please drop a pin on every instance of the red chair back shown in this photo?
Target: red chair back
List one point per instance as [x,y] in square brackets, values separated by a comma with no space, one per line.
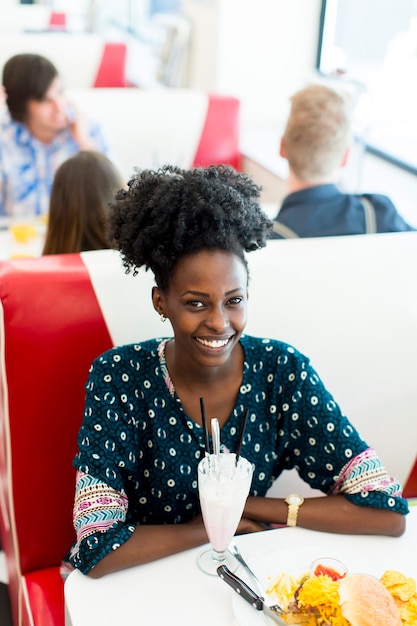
[58,21]
[219,142]
[112,68]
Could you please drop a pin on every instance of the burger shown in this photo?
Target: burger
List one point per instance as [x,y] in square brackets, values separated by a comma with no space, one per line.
[364,601]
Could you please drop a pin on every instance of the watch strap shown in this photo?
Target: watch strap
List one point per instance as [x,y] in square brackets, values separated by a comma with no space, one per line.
[292,514]
[294,501]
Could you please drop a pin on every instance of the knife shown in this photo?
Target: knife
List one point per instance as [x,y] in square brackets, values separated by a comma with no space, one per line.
[242,589]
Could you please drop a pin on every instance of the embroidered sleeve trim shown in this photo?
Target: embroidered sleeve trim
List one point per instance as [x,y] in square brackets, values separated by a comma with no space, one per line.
[97,506]
[365,473]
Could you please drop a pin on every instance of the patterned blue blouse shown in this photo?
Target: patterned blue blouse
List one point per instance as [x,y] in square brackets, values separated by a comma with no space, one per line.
[138,449]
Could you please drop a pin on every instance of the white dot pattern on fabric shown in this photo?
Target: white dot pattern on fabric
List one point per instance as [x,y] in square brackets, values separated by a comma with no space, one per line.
[137,438]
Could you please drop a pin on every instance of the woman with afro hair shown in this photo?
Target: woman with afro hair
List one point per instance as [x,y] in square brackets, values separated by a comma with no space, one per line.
[142,435]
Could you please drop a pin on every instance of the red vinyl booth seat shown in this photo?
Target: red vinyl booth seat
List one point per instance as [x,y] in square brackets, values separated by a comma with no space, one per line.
[44,593]
[51,330]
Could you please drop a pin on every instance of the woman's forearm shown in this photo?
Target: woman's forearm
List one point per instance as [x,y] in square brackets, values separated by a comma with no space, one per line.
[149,543]
[326,514]
[329,514]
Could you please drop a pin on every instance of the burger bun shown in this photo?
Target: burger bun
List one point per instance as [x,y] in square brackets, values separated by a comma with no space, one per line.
[366,602]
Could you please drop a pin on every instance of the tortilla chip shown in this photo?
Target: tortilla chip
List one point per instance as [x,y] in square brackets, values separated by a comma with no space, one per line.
[408,612]
[399,585]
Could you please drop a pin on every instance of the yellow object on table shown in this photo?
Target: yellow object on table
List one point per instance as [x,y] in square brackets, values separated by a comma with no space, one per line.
[23,233]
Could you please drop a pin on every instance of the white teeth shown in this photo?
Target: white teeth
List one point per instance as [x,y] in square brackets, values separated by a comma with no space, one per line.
[213,344]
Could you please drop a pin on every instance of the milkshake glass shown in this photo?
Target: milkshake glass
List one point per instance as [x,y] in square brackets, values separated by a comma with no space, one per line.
[223,486]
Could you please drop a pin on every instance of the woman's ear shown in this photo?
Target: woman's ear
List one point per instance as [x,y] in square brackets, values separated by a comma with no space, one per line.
[157,300]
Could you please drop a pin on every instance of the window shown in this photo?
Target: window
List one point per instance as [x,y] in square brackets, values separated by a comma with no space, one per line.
[373,44]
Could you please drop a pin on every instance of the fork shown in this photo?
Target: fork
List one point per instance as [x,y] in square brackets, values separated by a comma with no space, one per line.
[234,550]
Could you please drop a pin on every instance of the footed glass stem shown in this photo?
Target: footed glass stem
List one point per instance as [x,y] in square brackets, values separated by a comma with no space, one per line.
[209,560]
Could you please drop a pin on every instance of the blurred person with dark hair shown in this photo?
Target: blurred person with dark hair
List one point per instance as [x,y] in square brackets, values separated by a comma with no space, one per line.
[39,130]
[83,188]
[316,144]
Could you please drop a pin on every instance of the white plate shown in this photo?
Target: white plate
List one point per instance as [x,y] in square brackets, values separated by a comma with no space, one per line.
[297,561]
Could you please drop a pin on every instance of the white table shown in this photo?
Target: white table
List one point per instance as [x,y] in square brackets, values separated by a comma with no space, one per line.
[173,590]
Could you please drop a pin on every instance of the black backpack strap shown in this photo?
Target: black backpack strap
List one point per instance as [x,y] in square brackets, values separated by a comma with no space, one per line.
[284,231]
[370,218]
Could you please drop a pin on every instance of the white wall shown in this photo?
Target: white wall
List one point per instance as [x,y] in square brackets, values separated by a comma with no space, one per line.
[259,51]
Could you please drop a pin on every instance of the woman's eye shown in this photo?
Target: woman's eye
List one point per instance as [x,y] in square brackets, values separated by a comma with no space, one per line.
[196,304]
[236,300]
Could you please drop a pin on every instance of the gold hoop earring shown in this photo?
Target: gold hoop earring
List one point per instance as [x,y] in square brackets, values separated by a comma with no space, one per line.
[162,318]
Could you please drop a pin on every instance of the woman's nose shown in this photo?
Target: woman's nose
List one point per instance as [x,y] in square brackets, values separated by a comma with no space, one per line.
[217,319]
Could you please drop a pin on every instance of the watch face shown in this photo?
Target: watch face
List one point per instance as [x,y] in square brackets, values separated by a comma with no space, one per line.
[294,499]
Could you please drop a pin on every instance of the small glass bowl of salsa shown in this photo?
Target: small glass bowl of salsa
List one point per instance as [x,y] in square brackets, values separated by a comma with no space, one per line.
[328,566]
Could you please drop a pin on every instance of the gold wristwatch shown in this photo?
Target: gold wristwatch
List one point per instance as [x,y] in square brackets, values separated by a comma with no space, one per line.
[294,501]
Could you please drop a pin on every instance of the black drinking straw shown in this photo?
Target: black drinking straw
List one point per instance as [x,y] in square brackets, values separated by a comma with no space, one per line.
[241,435]
[204,420]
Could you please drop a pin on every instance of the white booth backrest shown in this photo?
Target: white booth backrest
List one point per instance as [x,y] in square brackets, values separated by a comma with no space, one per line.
[349,303]
[147,128]
[76,56]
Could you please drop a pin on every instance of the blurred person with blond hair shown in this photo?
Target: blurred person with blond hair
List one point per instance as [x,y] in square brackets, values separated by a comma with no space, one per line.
[39,129]
[316,144]
[83,188]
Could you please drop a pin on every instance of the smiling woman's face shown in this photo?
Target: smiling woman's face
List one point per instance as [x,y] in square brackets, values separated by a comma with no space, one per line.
[207,306]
